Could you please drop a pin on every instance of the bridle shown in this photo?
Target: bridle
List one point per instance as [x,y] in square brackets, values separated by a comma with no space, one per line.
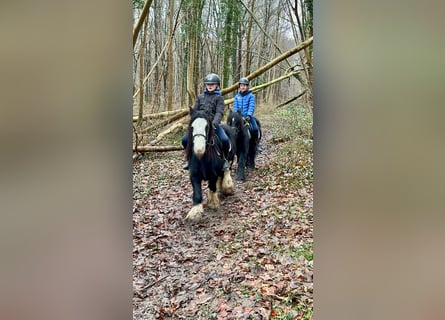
[205,136]
[236,128]
[199,134]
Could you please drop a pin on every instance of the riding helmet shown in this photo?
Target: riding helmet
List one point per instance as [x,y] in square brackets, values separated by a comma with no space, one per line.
[212,78]
[244,80]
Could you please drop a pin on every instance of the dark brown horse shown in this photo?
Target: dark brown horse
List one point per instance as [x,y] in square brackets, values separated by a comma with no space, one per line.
[246,142]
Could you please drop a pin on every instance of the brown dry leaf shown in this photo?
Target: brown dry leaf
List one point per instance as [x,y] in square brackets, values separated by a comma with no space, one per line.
[203,298]
[269,267]
[267,291]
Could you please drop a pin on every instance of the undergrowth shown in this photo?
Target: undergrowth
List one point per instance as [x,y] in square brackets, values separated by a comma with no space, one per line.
[292,131]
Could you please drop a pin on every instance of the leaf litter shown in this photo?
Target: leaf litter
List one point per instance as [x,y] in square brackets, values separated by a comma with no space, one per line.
[250,259]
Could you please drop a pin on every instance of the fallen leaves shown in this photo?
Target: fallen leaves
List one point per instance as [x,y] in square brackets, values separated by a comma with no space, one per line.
[251,258]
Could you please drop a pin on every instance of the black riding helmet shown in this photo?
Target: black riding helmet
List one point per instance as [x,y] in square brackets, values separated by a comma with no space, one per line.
[244,80]
[212,78]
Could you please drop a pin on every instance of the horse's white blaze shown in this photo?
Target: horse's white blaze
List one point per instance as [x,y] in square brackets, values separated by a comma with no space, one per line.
[195,213]
[199,134]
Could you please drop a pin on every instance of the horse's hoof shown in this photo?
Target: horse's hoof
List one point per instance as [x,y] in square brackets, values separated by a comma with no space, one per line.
[195,213]
[228,188]
[213,202]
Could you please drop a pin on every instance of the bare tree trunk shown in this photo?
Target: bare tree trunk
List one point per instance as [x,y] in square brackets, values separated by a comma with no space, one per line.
[193,27]
[240,48]
[190,71]
[141,20]
[158,52]
[303,57]
[141,76]
[248,39]
[170,68]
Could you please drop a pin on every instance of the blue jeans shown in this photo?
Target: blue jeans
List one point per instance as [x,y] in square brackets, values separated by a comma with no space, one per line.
[254,125]
[219,132]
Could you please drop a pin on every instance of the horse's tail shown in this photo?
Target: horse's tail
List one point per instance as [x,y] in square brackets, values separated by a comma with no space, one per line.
[260,133]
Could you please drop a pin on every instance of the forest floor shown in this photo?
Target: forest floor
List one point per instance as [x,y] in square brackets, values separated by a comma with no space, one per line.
[250,259]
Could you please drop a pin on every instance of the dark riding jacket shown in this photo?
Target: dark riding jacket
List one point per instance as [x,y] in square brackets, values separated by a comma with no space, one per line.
[213,104]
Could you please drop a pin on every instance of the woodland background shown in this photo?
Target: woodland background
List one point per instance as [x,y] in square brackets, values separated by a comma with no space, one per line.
[177,42]
[253,257]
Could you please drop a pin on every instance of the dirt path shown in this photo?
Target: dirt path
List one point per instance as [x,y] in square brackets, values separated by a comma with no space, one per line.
[251,259]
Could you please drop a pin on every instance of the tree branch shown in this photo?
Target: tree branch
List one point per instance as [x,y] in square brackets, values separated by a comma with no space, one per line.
[157,148]
[144,13]
[269,65]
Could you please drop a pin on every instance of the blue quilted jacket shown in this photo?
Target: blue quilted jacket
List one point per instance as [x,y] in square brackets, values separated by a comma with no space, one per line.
[245,102]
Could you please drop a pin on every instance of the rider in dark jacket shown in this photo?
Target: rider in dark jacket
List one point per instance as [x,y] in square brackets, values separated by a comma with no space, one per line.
[211,102]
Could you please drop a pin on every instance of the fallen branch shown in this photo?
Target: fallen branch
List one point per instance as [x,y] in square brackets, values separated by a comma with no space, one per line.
[265,85]
[159,114]
[154,282]
[290,100]
[171,129]
[272,63]
[177,116]
[157,148]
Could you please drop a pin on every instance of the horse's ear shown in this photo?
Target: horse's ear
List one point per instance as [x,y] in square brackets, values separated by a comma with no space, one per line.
[239,111]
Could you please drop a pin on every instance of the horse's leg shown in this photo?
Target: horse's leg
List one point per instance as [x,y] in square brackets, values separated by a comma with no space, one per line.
[212,195]
[241,175]
[251,158]
[253,146]
[227,186]
[219,185]
[195,213]
[243,157]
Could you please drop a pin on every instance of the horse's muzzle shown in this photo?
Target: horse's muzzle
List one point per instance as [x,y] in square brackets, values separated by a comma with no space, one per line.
[199,151]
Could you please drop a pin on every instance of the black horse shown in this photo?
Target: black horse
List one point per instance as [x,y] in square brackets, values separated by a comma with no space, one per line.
[205,155]
[231,134]
[246,142]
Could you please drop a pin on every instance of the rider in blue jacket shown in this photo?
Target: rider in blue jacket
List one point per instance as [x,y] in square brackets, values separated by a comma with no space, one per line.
[245,101]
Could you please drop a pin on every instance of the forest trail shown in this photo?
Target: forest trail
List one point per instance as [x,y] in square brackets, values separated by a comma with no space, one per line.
[250,259]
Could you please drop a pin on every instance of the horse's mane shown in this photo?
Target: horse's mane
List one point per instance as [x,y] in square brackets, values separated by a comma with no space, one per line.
[238,122]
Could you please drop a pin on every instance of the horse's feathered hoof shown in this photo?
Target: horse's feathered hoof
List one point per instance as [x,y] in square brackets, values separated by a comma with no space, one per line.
[213,200]
[195,213]
[227,185]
